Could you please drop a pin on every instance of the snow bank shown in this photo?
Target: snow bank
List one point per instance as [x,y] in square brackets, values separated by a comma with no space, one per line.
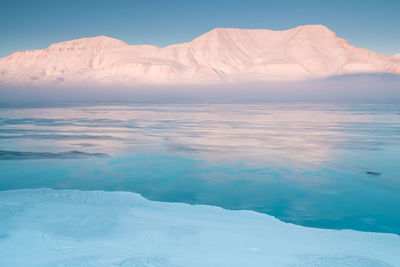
[46,227]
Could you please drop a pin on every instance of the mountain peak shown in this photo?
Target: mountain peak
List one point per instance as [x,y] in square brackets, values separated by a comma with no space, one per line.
[317,29]
[314,26]
[101,41]
[397,56]
[237,34]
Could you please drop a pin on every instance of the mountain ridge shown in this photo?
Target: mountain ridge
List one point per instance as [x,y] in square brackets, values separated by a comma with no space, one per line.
[222,55]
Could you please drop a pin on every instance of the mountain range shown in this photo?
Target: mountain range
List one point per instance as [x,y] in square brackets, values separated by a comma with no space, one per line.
[222,55]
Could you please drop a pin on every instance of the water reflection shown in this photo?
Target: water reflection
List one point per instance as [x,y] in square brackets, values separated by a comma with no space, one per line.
[18,155]
[304,163]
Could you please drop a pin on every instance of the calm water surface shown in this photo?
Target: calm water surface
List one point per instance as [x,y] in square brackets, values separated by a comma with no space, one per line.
[328,166]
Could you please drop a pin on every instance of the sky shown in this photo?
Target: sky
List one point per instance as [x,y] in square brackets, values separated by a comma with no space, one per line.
[29,24]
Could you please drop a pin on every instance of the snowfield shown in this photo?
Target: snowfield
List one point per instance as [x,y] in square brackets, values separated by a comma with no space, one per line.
[45,227]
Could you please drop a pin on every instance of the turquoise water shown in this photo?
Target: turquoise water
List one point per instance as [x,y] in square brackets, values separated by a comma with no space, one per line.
[319,165]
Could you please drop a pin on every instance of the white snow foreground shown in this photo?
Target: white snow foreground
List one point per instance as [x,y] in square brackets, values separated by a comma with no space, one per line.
[223,55]
[46,227]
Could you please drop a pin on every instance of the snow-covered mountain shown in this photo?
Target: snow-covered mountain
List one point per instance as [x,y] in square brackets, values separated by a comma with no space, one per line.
[397,56]
[221,55]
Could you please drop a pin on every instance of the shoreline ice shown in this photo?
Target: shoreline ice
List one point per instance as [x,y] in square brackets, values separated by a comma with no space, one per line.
[45,227]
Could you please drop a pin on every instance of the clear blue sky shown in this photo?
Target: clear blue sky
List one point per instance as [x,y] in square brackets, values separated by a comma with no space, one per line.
[34,24]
